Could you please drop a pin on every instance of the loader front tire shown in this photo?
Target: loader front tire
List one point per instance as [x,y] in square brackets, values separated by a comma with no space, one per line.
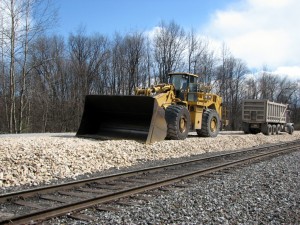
[210,124]
[178,122]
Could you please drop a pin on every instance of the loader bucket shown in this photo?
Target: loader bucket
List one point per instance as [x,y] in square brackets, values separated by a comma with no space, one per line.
[123,117]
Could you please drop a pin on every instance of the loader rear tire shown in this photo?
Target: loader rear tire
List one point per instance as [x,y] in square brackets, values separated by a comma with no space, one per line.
[178,122]
[210,124]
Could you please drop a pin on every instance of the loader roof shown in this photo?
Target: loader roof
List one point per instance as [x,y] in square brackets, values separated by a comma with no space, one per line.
[189,74]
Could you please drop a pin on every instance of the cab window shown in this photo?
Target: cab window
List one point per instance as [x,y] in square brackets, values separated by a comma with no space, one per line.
[192,79]
[179,81]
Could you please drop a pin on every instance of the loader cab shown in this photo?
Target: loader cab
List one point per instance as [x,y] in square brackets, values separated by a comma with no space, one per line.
[182,82]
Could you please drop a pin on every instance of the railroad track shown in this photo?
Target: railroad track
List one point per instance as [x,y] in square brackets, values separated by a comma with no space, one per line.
[43,203]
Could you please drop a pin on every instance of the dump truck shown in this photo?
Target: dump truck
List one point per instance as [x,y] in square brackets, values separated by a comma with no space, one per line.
[163,111]
[265,116]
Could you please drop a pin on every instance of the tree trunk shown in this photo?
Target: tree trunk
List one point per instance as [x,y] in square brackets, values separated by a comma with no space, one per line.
[23,80]
[12,73]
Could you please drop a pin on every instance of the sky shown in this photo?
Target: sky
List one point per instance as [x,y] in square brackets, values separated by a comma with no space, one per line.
[263,33]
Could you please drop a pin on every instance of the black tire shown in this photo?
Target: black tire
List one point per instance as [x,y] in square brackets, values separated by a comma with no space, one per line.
[290,129]
[246,128]
[282,128]
[277,129]
[267,129]
[254,130]
[210,124]
[270,129]
[178,122]
[274,129]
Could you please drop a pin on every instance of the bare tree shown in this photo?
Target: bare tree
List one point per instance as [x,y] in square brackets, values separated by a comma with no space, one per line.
[230,80]
[169,45]
[129,62]
[51,85]
[88,59]
[250,89]
[197,50]
[4,82]
[24,20]
[294,104]
[286,90]
[223,73]
[208,67]
[116,80]
[268,85]
[134,46]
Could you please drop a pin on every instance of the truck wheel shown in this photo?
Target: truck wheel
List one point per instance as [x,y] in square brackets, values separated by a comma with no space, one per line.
[254,130]
[178,122]
[290,129]
[274,129]
[267,129]
[246,128]
[210,124]
[270,129]
[277,129]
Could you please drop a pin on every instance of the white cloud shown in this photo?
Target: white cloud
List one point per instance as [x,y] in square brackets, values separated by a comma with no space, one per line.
[291,71]
[261,32]
[153,32]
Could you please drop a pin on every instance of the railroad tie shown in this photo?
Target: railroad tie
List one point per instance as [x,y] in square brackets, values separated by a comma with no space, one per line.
[79,216]
[29,204]
[54,198]
[75,194]
[107,209]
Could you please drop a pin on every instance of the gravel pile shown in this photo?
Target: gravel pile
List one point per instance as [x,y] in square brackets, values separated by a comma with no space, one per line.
[262,193]
[32,160]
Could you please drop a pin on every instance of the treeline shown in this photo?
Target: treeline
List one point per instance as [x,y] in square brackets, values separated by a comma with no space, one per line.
[45,78]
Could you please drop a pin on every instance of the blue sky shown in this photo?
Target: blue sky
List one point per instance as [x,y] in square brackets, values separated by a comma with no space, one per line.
[260,32]
[109,16]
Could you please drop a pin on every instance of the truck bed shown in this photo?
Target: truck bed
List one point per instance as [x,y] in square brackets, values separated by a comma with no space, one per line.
[263,111]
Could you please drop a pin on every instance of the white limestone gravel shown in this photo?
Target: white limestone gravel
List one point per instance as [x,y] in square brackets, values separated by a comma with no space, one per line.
[34,159]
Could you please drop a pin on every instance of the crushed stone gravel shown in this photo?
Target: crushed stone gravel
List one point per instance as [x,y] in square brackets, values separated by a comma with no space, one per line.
[35,159]
[262,193]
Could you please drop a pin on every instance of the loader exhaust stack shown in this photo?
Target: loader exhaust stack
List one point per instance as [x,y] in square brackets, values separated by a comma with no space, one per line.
[123,117]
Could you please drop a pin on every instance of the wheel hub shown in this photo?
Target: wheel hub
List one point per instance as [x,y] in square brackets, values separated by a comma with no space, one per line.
[213,125]
[182,124]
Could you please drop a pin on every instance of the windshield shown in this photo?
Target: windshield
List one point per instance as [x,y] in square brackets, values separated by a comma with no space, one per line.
[179,81]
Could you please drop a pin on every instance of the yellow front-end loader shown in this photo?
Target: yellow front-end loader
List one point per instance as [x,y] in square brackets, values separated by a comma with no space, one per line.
[162,111]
